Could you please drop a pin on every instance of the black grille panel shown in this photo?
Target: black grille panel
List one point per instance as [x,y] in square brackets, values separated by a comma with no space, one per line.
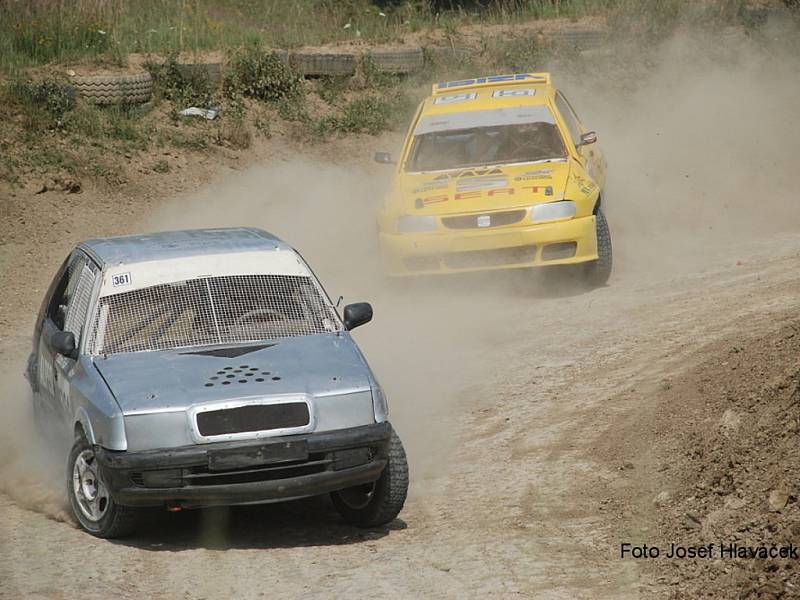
[260,417]
[497,219]
[490,258]
[271,467]
[316,463]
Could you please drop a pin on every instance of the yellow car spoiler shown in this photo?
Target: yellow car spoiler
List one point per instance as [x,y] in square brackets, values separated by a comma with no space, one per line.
[490,81]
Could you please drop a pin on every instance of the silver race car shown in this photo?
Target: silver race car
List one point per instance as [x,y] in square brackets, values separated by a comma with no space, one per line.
[209,367]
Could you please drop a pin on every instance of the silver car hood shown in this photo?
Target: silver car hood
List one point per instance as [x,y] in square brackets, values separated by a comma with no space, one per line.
[317,365]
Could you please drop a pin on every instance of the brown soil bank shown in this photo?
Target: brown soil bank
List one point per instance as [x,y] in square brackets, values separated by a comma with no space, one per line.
[725,436]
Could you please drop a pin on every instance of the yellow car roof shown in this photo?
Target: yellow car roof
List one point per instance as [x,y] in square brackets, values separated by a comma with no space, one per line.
[493,91]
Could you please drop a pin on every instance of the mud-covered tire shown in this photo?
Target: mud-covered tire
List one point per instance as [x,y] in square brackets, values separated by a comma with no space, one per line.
[116,521]
[388,494]
[308,63]
[398,61]
[115,89]
[598,271]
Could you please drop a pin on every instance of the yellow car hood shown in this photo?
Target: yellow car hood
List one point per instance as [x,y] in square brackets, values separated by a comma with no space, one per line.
[481,189]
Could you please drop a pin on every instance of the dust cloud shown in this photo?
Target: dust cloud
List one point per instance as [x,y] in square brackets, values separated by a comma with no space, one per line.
[32,464]
[426,337]
[702,138]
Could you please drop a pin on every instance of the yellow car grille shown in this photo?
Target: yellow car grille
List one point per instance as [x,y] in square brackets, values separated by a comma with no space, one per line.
[496,219]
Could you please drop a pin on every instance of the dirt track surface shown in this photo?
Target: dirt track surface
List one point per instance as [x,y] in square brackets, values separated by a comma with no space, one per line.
[526,403]
[506,391]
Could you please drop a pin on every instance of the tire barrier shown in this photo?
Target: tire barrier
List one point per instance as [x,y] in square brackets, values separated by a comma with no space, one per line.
[396,61]
[137,88]
[311,63]
[115,89]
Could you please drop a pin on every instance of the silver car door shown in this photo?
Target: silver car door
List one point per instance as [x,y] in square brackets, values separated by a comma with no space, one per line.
[67,312]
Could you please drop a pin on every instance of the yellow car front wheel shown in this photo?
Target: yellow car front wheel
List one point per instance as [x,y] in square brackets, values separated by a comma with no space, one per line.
[598,271]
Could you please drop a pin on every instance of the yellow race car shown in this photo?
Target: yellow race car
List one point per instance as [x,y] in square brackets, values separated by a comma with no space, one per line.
[496,173]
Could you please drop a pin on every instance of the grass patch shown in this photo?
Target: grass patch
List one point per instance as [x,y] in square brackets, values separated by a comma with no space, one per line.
[43,105]
[189,141]
[161,166]
[368,114]
[180,84]
[518,54]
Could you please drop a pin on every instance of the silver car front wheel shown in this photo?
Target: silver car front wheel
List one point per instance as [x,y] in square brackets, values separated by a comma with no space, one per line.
[90,492]
[91,503]
[379,502]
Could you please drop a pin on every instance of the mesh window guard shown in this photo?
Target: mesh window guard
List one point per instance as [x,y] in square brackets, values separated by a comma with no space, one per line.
[213,310]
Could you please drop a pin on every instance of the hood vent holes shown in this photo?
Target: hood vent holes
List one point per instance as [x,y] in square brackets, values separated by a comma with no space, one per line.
[240,374]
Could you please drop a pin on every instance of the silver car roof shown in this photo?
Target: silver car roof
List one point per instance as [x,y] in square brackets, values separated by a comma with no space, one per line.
[177,244]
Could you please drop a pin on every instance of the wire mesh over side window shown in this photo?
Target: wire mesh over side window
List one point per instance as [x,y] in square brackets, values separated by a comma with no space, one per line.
[207,311]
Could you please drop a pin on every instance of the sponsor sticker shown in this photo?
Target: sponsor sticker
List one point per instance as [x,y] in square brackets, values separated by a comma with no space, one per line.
[512,93]
[452,99]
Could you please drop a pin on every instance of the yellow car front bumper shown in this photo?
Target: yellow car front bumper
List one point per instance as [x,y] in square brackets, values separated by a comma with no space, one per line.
[459,251]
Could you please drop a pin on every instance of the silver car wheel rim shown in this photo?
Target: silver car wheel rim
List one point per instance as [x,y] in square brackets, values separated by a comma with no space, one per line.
[359,496]
[90,492]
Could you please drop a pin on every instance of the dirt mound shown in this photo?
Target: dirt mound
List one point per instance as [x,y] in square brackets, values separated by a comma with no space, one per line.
[727,432]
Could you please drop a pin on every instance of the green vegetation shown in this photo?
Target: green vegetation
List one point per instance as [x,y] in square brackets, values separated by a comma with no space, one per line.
[37,32]
[367,114]
[257,94]
[262,75]
[181,85]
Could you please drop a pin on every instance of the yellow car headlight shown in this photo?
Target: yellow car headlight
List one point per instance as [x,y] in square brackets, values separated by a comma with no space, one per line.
[553,211]
[416,224]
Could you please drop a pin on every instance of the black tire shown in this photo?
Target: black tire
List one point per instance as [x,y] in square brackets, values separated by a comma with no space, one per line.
[115,521]
[395,61]
[380,502]
[598,271]
[317,63]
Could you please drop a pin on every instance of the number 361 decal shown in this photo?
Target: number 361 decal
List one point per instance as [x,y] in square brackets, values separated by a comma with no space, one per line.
[121,279]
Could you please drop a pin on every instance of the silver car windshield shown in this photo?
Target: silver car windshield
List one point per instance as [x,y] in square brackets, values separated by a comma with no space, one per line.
[210,311]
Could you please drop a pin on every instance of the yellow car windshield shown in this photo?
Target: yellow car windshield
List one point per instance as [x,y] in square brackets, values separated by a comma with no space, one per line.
[503,144]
